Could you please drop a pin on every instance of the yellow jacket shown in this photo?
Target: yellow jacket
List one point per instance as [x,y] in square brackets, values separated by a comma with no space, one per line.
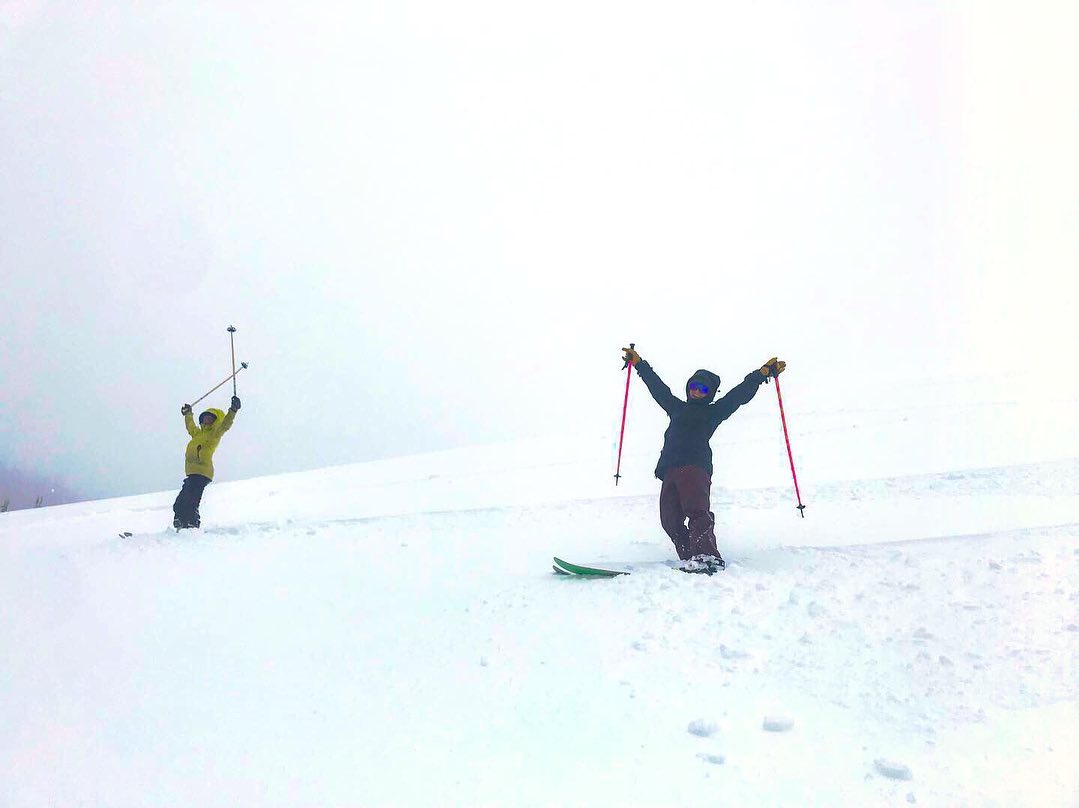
[199,458]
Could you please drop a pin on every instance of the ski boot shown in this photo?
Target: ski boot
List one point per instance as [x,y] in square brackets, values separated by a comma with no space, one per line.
[704,564]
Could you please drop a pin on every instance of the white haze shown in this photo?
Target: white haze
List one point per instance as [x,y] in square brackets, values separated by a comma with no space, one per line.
[435,224]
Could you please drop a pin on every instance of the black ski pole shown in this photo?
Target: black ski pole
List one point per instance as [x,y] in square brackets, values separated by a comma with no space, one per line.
[243,366]
[232,342]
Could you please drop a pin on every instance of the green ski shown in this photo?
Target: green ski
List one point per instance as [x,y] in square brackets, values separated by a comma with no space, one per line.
[585,572]
[616,569]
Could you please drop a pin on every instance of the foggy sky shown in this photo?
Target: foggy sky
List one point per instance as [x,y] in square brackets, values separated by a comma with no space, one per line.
[434,224]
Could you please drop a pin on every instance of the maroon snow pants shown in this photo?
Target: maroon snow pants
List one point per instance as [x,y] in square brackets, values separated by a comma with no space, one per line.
[685,495]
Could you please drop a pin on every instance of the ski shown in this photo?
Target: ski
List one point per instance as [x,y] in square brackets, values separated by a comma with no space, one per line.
[169,531]
[614,570]
[567,568]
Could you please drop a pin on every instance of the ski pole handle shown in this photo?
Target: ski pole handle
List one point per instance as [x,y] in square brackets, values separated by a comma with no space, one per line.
[243,366]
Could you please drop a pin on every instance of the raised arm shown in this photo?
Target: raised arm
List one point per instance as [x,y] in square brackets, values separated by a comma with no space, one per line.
[743,392]
[230,416]
[189,421]
[659,390]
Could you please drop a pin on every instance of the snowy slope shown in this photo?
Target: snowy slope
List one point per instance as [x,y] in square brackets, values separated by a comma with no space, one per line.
[391,634]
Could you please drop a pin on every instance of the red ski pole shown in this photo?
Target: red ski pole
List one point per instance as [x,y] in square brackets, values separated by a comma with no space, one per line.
[625,406]
[786,437]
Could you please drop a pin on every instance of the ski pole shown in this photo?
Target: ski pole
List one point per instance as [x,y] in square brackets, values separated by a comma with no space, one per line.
[786,437]
[625,405]
[232,342]
[243,366]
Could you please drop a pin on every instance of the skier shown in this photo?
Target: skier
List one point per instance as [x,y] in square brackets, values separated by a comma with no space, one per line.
[199,460]
[685,464]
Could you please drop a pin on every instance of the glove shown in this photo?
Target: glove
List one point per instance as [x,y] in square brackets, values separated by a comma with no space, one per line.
[631,357]
[185,410]
[773,367]
[235,404]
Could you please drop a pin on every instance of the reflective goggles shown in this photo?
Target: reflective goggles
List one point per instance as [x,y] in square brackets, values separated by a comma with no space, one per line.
[699,387]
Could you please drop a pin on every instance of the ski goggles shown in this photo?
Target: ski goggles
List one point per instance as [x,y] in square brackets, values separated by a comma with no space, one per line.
[699,387]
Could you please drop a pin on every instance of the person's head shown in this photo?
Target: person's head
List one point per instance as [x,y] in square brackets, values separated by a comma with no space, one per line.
[702,387]
[207,418]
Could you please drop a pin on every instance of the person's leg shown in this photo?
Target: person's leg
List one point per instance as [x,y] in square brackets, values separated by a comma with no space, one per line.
[671,515]
[197,489]
[180,507]
[694,488]
[186,507]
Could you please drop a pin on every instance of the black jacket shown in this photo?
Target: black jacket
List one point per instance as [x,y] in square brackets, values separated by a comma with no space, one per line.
[693,422]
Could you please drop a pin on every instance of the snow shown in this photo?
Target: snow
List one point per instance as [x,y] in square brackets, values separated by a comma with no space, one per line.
[391,633]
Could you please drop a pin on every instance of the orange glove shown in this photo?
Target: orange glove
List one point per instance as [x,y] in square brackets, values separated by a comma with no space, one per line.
[630,357]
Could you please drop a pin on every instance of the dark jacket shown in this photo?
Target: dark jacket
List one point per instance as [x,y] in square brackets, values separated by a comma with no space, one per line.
[693,422]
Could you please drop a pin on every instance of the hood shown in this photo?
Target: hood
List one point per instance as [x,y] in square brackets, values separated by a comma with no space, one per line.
[216,413]
[707,377]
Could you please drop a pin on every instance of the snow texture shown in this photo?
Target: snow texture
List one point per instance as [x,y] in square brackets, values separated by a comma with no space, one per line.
[391,634]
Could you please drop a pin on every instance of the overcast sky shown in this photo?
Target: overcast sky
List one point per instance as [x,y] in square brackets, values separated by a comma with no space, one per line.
[434,224]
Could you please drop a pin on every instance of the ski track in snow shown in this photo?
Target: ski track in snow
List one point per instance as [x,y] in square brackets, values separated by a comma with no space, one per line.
[317,659]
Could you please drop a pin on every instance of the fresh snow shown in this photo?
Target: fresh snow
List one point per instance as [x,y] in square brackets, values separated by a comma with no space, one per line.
[391,633]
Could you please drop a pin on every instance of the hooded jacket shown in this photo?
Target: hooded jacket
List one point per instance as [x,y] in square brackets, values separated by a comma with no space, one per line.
[693,422]
[199,457]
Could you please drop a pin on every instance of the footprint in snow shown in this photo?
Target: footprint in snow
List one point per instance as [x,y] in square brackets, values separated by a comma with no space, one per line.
[777,723]
[892,769]
[702,728]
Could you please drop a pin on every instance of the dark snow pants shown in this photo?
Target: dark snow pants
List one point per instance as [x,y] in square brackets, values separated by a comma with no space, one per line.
[685,496]
[186,506]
